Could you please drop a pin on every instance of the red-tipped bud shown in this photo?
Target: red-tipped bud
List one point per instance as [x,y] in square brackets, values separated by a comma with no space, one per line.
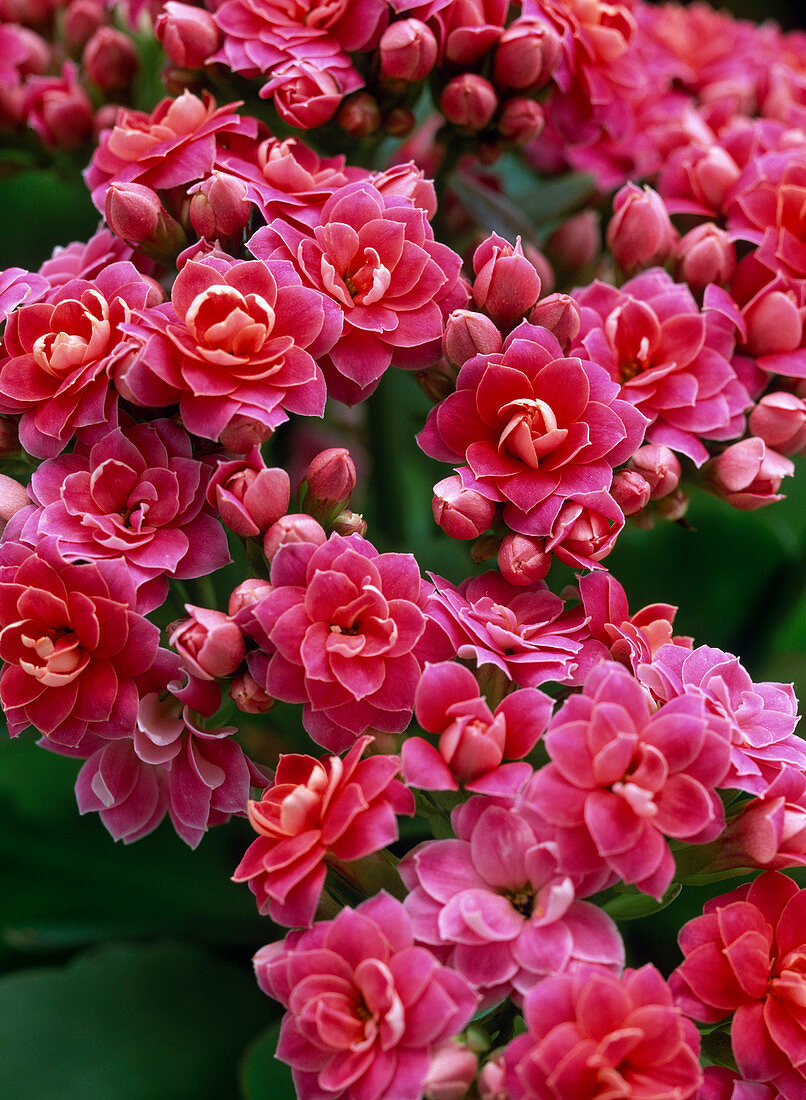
[135,214]
[461,513]
[188,35]
[527,54]
[780,420]
[13,497]
[110,60]
[560,314]
[659,466]
[468,334]
[521,121]
[469,101]
[640,232]
[246,594]
[297,527]
[349,523]
[522,559]
[408,51]
[360,115]
[631,491]
[209,643]
[507,284]
[705,255]
[248,695]
[82,19]
[748,474]
[249,496]
[399,121]
[218,208]
[774,323]
[329,482]
[575,243]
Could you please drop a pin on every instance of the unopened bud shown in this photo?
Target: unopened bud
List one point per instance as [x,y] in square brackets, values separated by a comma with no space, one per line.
[559,313]
[297,527]
[507,284]
[249,496]
[219,208]
[705,255]
[576,243]
[248,695]
[188,35]
[748,474]
[82,18]
[328,483]
[209,643]
[774,323]
[399,121]
[780,420]
[526,56]
[631,491]
[438,381]
[349,523]
[451,1071]
[659,466]
[468,334]
[360,115]
[246,594]
[522,559]
[110,60]
[640,232]
[672,507]
[135,214]
[408,51]
[469,101]
[461,513]
[521,121]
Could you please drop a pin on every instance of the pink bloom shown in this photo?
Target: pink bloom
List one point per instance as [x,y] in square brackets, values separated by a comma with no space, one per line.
[18,286]
[622,778]
[725,1084]
[235,348]
[767,832]
[61,354]
[249,495]
[375,256]
[336,808]
[473,740]
[745,955]
[209,642]
[129,795]
[73,645]
[760,717]
[494,905]
[86,259]
[341,626]
[534,428]
[748,474]
[307,93]
[593,1035]
[672,360]
[366,1008]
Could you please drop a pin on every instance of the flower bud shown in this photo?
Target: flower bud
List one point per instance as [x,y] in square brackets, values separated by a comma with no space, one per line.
[522,559]
[705,255]
[469,101]
[329,482]
[780,420]
[82,18]
[408,51]
[468,334]
[527,54]
[218,208]
[492,1080]
[521,121]
[640,232]
[58,109]
[13,497]
[575,243]
[399,121]
[360,115]
[559,313]
[209,643]
[246,594]
[748,474]
[349,523]
[188,35]
[297,527]
[461,513]
[248,695]
[631,491]
[581,536]
[9,436]
[774,323]
[30,13]
[672,507]
[135,214]
[451,1071]
[110,60]
[249,496]
[659,466]
[507,284]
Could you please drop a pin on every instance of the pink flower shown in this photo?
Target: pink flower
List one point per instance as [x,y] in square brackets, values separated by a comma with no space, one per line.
[672,360]
[61,354]
[745,955]
[622,778]
[473,740]
[235,348]
[249,495]
[87,259]
[640,232]
[58,109]
[209,642]
[725,1084]
[129,795]
[748,474]
[366,1007]
[341,626]
[343,809]
[494,905]
[18,286]
[375,256]
[767,832]
[73,645]
[307,93]
[534,428]
[593,1035]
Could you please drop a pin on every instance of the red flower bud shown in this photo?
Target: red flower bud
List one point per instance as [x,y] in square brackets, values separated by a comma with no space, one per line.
[297,527]
[188,35]
[248,592]
[559,313]
[218,208]
[774,323]
[399,121]
[330,482]
[705,255]
[469,101]
[640,232]
[248,695]
[110,60]
[249,496]
[360,115]
[575,243]
[748,474]
[135,214]
[468,334]
[209,643]
[58,109]
[527,54]
[631,491]
[521,121]
[522,559]
[408,50]
[82,19]
[461,513]
[780,420]
[659,466]
[673,507]
[507,284]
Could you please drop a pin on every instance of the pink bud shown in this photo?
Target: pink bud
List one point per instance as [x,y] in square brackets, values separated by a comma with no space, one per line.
[672,507]
[469,101]
[521,121]
[135,214]
[297,527]
[522,559]
[188,35]
[110,60]
[58,109]
[582,536]
[461,513]
[640,232]
[246,594]
[492,1080]
[774,323]
[575,243]
[399,121]
[660,467]
[705,255]
[30,13]
[13,497]
[329,482]
[748,474]
[82,18]
[631,491]
[248,695]
[526,56]
[451,1071]
[209,643]
[408,50]
[219,209]
[468,334]
[360,115]
[507,284]
[249,496]
[780,420]
[560,314]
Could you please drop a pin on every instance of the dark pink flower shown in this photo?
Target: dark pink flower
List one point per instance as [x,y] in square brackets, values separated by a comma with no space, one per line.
[249,495]
[748,474]
[58,109]
[86,259]
[235,348]
[209,642]
[129,795]
[366,1008]
[307,93]
[18,286]
[725,1084]
[593,1035]
[341,626]
[315,809]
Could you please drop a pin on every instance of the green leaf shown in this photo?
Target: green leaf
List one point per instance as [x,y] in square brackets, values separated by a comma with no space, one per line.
[262,1076]
[493,210]
[128,1023]
[633,906]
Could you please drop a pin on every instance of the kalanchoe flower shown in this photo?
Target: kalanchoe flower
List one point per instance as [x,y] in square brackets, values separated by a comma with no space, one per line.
[341,626]
[451,1073]
[745,955]
[748,474]
[328,483]
[780,420]
[506,284]
[13,498]
[408,50]
[640,232]
[18,286]
[249,495]
[461,513]
[189,35]
[469,101]
[630,639]
[389,1003]
[314,810]
[725,1084]
[209,642]
[495,906]
[58,109]
[592,1035]
[297,527]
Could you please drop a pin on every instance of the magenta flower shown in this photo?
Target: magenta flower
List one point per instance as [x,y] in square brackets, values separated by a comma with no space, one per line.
[623,778]
[366,1008]
[129,795]
[534,429]
[473,740]
[341,626]
[672,360]
[630,639]
[87,259]
[745,955]
[73,645]
[339,808]
[592,1035]
[494,905]
[235,348]
[375,256]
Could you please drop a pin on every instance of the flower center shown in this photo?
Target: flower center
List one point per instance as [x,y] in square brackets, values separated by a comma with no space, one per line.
[522,899]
